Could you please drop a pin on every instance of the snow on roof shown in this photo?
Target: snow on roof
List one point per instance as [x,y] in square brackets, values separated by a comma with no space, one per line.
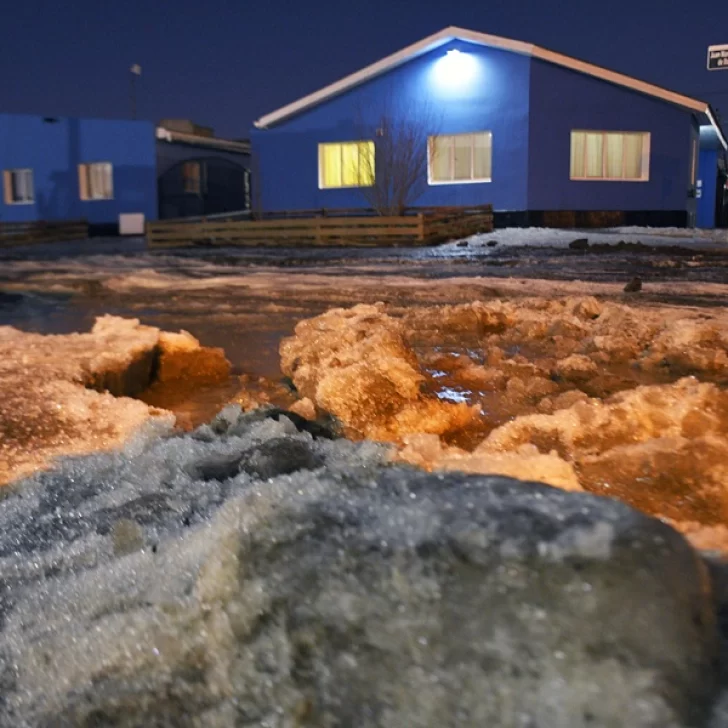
[492,41]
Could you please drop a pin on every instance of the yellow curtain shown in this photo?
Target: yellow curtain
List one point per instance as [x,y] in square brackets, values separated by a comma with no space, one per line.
[614,156]
[440,158]
[482,156]
[633,156]
[330,165]
[366,164]
[463,149]
[594,155]
[578,151]
[349,164]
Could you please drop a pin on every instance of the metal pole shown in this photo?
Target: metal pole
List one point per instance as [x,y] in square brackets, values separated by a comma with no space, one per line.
[136,70]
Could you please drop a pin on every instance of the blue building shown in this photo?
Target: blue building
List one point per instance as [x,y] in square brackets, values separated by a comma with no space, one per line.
[497,121]
[57,168]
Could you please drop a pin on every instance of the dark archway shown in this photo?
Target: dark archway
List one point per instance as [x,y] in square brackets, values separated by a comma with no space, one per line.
[203,186]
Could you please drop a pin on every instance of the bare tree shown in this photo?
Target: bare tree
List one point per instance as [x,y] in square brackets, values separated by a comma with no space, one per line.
[398,166]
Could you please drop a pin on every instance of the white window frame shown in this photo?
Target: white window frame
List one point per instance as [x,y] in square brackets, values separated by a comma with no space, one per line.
[28,186]
[84,182]
[472,180]
[645,162]
[342,144]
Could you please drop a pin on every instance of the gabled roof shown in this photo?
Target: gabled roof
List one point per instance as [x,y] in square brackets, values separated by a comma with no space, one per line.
[492,41]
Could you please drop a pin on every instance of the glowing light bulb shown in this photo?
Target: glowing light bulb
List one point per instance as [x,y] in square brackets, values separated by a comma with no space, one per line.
[455,70]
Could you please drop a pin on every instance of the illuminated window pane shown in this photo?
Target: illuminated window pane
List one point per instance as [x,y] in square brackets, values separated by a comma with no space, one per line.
[599,155]
[440,161]
[460,158]
[346,164]
[633,156]
[614,156]
[366,164]
[594,160]
[329,165]
[482,156]
[96,181]
[578,152]
[18,184]
[463,158]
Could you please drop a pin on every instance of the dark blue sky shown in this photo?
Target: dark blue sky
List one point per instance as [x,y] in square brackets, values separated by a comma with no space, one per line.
[227,62]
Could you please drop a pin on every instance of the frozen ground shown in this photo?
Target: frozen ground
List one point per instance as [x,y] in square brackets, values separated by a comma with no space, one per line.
[256,573]
[247,300]
[251,574]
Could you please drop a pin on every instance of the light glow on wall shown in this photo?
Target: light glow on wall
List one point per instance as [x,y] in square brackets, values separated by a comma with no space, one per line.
[455,71]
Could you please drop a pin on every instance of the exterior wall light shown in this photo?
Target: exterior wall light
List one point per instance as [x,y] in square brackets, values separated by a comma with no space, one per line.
[455,71]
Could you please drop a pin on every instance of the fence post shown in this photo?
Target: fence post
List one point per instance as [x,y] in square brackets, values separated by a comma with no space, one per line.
[421,226]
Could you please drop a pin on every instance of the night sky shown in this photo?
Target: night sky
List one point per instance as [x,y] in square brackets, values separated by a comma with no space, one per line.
[226,62]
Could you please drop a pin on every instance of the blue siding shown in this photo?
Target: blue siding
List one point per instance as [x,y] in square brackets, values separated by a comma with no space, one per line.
[562,100]
[494,99]
[54,149]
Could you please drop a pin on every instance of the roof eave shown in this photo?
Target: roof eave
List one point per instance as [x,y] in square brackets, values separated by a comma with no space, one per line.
[179,137]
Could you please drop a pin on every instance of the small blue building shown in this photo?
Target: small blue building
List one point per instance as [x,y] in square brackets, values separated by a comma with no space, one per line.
[498,121]
[57,168]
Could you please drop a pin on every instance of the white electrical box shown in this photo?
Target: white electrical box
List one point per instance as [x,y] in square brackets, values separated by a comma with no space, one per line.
[131,223]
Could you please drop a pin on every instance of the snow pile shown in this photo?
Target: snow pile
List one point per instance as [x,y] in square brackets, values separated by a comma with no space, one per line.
[560,238]
[253,574]
[575,392]
[70,394]
[354,364]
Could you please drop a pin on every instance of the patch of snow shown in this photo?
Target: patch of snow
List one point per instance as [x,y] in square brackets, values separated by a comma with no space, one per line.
[560,238]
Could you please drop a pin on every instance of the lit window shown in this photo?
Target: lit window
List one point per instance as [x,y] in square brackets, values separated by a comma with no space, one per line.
[455,158]
[191,177]
[606,155]
[347,164]
[18,186]
[95,181]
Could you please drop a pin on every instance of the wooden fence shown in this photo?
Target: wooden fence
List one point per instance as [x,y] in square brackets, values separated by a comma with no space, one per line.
[420,226]
[27,233]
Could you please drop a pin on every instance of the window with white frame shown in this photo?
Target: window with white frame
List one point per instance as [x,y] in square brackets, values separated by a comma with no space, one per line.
[455,158]
[613,156]
[96,181]
[18,186]
[346,164]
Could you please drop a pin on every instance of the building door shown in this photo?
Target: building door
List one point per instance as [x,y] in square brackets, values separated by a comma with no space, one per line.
[692,204]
